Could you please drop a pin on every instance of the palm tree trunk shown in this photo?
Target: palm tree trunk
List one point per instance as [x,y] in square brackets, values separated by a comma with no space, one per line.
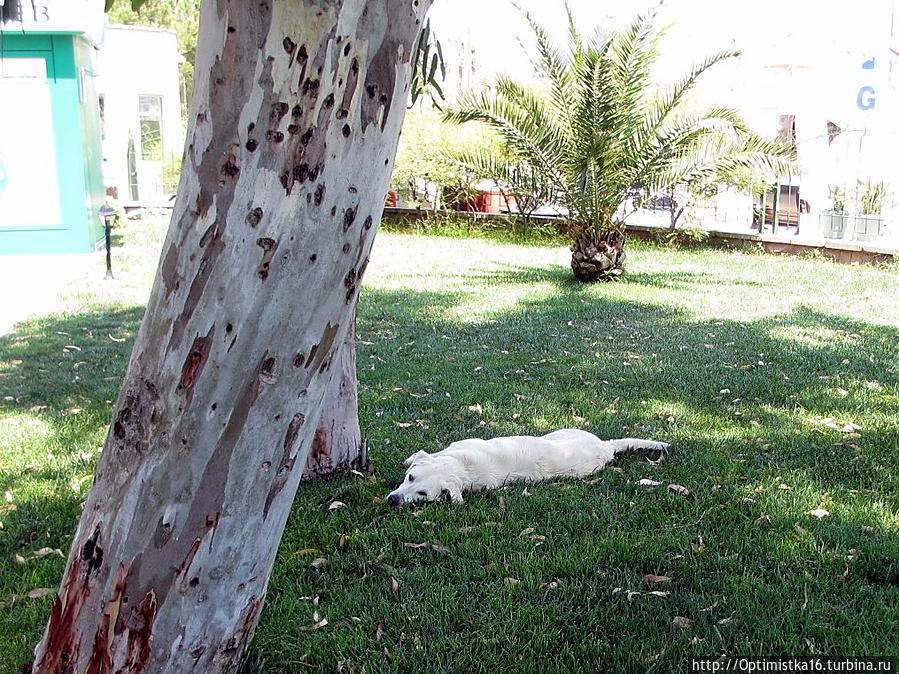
[597,256]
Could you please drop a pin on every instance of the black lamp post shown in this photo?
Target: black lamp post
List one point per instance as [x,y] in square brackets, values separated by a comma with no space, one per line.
[108,213]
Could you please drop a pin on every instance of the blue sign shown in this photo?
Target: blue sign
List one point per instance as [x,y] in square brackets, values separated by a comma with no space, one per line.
[869,64]
[865,98]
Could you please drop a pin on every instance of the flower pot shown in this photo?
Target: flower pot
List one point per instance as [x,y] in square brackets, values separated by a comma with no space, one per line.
[867,227]
[833,224]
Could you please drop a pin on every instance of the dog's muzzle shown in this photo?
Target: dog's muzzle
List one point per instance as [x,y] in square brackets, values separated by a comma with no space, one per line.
[394,500]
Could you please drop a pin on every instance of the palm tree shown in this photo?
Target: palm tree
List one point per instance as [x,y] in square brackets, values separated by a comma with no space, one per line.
[604,131]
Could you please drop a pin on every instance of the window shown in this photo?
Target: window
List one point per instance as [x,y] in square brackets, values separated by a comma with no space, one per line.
[150,127]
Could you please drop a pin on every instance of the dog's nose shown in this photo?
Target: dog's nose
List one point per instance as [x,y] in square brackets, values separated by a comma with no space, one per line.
[394,500]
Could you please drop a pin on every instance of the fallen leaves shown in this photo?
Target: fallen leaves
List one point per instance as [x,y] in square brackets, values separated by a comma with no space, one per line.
[831,423]
[680,489]
[436,547]
[335,505]
[652,578]
[38,554]
[37,593]
[818,513]
[646,482]
[682,622]
[631,594]
[315,626]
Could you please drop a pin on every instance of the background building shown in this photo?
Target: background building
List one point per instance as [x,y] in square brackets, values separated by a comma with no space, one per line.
[51,181]
[824,75]
[143,136]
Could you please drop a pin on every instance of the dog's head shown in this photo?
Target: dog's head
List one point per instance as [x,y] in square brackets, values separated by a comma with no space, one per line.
[428,478]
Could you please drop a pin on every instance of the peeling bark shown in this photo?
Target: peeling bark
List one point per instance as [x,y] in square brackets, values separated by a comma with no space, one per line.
[337,445]
[295,119]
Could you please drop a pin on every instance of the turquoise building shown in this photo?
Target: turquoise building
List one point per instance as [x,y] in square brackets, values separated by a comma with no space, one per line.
[51,179]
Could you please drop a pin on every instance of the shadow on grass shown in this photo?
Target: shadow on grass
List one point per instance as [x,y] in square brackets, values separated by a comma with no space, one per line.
[744,404]
[58,379]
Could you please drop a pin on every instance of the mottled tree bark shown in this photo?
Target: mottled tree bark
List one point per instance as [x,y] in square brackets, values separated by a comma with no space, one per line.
[338,444]
[295,119]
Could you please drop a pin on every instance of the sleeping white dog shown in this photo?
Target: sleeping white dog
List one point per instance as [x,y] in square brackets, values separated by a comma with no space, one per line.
[472,465]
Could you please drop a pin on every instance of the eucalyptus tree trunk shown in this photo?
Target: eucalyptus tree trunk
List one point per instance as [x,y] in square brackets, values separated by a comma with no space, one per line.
[597,256]
[295,119]
[338,446]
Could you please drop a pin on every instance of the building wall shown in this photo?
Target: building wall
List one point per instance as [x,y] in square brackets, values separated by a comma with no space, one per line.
[51,185]
[137,61]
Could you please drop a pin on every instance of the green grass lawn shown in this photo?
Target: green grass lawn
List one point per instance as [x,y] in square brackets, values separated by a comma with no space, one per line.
[755,368]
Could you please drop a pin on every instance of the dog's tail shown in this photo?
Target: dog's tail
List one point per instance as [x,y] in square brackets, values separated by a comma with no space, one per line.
[630,444]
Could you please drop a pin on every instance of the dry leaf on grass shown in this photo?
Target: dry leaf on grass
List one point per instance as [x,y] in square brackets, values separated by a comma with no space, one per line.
[379,632]
[659,593]
[37,593]
[43,552]
[436,547]
[645,482]
[319,563]
[818,513]
[511,581]
[394,585]
[682,622]
[680,489]
[307,551]
[525,532]
[629,593]
[336,504]
[321,623]
[651,578]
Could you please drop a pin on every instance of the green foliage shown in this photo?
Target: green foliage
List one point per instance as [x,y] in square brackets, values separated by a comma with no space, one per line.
[421,155]
[470,225]
[687,237]
[427,62]
[837,195]
[606,129]
[872,199]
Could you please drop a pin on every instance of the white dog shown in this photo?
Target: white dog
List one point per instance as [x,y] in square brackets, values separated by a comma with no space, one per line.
[487,464]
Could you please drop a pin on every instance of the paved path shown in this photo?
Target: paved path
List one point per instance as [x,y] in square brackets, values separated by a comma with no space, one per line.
[31,284]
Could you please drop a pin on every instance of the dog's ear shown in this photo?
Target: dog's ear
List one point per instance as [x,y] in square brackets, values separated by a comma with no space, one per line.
[415,457]
[452,494]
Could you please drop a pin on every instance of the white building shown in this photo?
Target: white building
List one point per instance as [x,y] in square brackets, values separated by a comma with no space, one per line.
[143,133]
[831,70]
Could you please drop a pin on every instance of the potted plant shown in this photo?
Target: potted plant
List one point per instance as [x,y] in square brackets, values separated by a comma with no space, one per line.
[869,221]
[834,219]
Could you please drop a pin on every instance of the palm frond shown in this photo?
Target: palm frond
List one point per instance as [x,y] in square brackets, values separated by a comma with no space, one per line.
[603,130]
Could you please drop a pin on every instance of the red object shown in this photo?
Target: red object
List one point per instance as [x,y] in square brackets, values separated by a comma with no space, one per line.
[488,201]
[391,198]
